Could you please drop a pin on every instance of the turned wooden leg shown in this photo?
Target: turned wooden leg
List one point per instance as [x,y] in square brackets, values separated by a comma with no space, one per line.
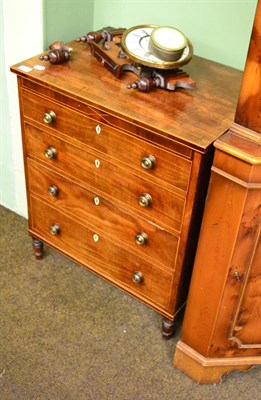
[167,328]
[38,249]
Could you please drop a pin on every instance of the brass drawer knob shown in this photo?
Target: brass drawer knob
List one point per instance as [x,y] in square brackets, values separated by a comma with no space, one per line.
[141,238]
[137,277]
[50,152]
[55,229]
[145,200]
[53,190]
[49,117]
[148,162]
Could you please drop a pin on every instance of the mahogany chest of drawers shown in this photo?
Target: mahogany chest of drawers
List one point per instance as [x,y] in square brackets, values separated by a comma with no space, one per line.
[116,179]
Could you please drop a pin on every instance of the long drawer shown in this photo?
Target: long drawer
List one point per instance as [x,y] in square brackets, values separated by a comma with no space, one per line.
[124,148]
[114,222]
[96,173]
[95,251]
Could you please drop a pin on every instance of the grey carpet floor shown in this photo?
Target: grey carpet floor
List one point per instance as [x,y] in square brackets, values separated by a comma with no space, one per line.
[66,334]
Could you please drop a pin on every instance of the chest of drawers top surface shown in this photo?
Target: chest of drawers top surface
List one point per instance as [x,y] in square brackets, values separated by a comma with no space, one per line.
[194,118]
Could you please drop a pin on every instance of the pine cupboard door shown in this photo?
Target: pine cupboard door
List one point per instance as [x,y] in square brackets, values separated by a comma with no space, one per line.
[244,281]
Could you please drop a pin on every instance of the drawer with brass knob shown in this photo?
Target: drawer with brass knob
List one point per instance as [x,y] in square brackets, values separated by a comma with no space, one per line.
[115,222]
[146,158]
[134,274]
[159,204]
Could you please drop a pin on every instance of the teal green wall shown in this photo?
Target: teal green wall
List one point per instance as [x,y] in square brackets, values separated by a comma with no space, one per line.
[21,36]
[67,19]
[219,30]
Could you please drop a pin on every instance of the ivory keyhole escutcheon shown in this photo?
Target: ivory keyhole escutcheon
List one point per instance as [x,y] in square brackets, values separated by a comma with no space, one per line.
[97,163]
[96,201]
[96,238]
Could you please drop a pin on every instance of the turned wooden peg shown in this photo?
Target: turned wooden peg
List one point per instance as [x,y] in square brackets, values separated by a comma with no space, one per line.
[143,84]
[58,53]
[38,248]
[107,34]
[90,37]
[168,328]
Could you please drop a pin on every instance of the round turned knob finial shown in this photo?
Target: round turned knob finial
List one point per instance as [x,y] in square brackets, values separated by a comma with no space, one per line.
[49,117]
[53,190]
[137,277]
[58,53]
[90,37]
[148,162]
[145,200]
[55,229]
[144,84]
[141,238]
[50,152]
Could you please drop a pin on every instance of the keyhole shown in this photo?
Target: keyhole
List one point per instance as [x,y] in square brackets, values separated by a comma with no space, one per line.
[96,201]
[96,237]
[97,163]
[98,129]
[236,275]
